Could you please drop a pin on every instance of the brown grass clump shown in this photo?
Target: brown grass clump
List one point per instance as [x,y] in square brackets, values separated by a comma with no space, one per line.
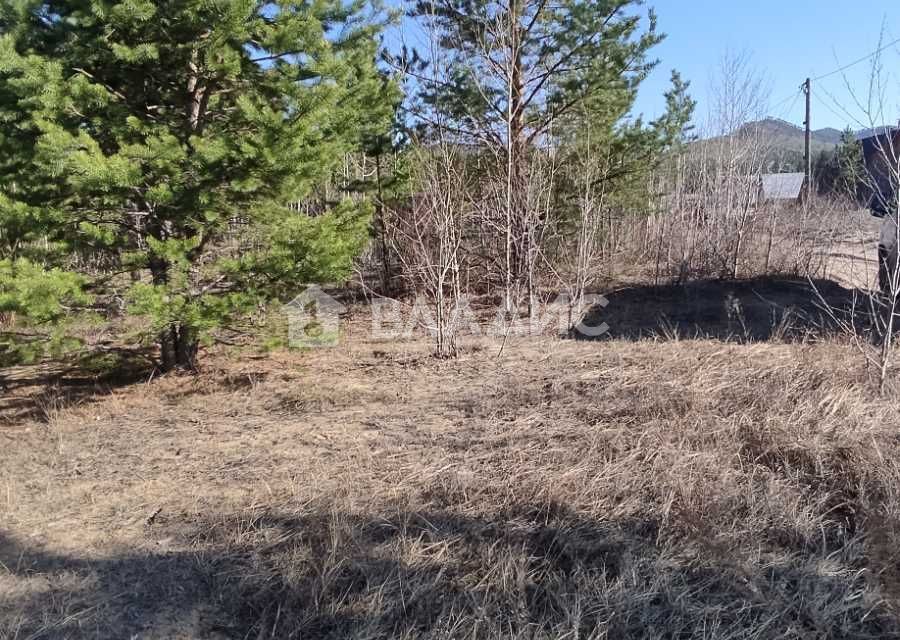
[648,489]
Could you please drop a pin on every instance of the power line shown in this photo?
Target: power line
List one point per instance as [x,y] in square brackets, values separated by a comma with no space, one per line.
[794,97]
[846,116]
[825,104]
[790,109]
[807,86]
[856,62]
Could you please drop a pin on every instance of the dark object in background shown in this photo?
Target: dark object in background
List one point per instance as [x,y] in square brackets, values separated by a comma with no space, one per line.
[888,242]
[880,151]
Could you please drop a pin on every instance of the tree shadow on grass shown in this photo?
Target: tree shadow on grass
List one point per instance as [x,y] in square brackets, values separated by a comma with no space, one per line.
[732,310]
[36,392]
[525,572]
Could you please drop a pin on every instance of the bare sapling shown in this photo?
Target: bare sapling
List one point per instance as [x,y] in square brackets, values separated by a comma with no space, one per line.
[582,245]
[711,208]
[428,237]
[873,320]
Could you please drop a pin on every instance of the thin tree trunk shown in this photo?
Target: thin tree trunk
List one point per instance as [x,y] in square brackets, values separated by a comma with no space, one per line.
[516,242]
[386,274]
[186,349]
[178,345]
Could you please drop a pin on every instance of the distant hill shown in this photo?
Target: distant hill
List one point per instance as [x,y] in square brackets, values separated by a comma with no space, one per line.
[790,137]
[828,135]
[784,142]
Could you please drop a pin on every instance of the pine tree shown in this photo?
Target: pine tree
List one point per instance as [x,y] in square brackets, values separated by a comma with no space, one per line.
[629,150]
[841,170]
[169,139]
[516,75]
[850,164]
[517,67]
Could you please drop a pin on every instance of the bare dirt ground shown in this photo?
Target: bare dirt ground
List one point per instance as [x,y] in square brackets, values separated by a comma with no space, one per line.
[649,489]
[851,257]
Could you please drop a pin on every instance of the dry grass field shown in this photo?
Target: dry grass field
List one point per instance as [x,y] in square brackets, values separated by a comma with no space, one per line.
[194,193]
[718,466]
[628,488]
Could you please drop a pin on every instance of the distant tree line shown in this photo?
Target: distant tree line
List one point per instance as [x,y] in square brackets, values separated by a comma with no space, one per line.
[841,171]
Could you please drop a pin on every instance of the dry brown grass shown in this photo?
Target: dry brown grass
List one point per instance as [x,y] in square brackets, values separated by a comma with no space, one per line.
[651,489]
[829,239]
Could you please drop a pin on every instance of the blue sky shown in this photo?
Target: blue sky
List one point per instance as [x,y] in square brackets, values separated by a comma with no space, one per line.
[788,41]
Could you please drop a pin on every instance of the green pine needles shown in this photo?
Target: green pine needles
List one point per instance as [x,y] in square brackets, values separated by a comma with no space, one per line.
[167,140]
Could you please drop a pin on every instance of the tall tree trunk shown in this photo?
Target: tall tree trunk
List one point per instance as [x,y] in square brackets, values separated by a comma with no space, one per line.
[516,230]
[178,344]
[178,349]
[186,349]
[380,213]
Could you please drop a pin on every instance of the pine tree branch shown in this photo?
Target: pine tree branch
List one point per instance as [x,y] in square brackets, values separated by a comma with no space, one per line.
[109,88]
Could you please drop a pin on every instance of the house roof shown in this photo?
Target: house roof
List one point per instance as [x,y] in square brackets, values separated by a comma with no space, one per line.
[883,143]
[875,132]
[782,186]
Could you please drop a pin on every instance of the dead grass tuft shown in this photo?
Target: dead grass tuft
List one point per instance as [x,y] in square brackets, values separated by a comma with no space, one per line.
[626,489]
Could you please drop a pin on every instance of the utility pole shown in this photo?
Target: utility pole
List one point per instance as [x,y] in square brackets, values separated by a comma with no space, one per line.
[807,89]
